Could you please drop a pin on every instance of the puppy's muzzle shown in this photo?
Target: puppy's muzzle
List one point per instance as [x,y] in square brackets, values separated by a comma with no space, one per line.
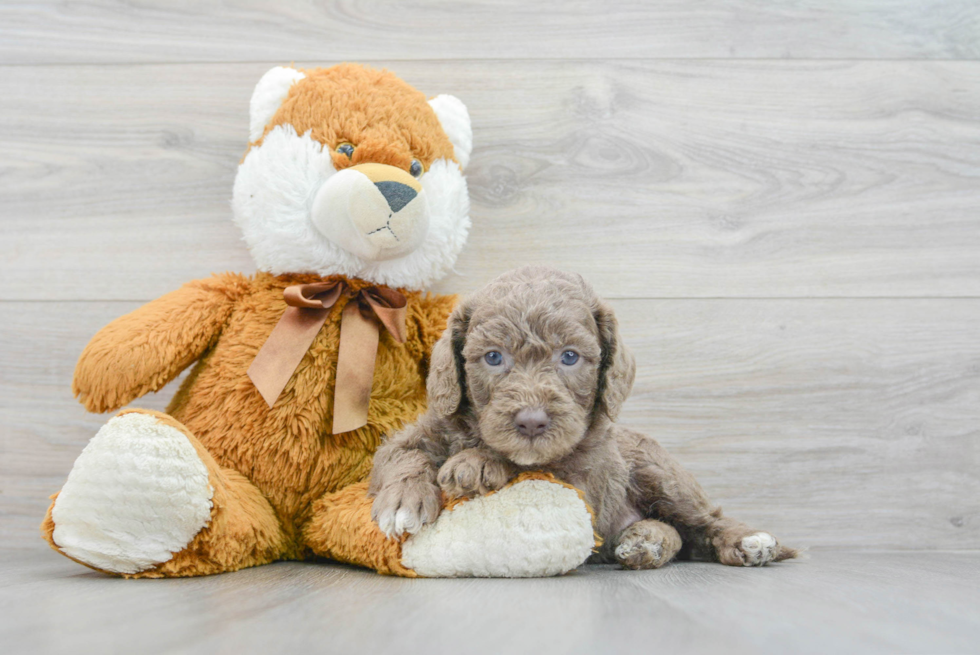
[532,422]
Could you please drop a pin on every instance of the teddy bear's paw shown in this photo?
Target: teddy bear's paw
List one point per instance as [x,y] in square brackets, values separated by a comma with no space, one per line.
[137,494]
[533,528]
[757,549]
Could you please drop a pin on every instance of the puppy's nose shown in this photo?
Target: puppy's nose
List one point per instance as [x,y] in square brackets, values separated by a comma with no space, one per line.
[397,194]
[532,422]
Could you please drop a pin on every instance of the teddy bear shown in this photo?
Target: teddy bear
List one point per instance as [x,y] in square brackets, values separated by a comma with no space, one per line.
[352,202]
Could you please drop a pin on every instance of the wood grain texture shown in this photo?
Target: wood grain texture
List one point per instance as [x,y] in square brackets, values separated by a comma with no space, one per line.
[781,197]
[112,31]
[843,423]
[836,602]
[653,179]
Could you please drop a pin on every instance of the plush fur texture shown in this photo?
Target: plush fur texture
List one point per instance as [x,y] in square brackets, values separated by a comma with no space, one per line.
[233,482]
[269,93]
[145,516]
[273,198]
[455,120]
[386,122]
[222,481]
[530,375]
[272,466]
[485,541]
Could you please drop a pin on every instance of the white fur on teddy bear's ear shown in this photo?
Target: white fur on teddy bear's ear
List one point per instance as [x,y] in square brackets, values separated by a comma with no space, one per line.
[269,93]
[455,121]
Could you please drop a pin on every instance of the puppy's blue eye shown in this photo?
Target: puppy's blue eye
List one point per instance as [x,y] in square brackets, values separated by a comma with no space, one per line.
[493,358]
[569,357]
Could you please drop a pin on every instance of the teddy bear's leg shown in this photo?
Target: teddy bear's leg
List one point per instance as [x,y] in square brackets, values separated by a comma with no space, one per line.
[533,527]
[145,499]
[341,528]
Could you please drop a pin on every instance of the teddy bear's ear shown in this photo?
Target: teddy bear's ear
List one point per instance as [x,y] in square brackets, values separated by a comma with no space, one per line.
[455,121]
[268,95]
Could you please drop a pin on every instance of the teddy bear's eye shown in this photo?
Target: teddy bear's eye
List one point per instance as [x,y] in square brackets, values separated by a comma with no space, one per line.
[416,168]
[346,149]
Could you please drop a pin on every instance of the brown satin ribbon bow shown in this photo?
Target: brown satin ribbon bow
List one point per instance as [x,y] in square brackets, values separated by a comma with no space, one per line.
[308,308]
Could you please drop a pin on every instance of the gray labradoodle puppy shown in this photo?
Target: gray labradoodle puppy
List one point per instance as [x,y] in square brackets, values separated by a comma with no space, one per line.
[530,376]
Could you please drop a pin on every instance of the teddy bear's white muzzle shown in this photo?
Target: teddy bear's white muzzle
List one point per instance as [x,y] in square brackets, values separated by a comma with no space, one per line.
[374,211]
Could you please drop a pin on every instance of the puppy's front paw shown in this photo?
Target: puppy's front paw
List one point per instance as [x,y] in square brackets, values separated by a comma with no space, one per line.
[406,506]
[472,472]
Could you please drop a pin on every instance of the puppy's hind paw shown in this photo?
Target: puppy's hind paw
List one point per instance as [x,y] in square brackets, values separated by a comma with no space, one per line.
[757,549]
[647,544]
[640,554]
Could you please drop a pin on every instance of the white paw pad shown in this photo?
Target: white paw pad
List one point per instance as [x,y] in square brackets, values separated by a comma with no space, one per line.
[531,529]
[386,523]
[137,494]
[648,550]
[758,549]
[407,521]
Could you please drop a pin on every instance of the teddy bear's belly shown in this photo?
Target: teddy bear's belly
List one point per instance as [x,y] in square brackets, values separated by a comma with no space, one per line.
[288,451]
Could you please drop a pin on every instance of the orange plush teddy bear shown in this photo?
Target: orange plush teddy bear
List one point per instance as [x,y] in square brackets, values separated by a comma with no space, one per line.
[352,201]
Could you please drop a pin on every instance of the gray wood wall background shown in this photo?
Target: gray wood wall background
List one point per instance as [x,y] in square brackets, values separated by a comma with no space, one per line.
[782,199]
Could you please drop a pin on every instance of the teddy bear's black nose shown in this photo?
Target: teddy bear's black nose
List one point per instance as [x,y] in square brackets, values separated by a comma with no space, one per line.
[397,194]
[532,422]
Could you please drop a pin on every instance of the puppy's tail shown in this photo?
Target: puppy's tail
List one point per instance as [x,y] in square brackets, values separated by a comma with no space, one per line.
[785,552]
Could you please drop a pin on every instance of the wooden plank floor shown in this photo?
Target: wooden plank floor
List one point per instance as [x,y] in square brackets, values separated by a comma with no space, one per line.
[653,179]
[113,31]
[781,198]
[848,423]
[835,602]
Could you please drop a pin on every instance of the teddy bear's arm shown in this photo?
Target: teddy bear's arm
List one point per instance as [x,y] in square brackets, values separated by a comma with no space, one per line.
[145,349]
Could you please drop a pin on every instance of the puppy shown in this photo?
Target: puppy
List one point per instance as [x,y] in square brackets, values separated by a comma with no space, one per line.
[530,375]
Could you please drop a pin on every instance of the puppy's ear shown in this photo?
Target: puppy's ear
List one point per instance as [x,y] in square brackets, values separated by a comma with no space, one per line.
[446,384]
[617,366]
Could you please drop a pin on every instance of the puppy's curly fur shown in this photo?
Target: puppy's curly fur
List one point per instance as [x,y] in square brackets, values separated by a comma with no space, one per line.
[530,375]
